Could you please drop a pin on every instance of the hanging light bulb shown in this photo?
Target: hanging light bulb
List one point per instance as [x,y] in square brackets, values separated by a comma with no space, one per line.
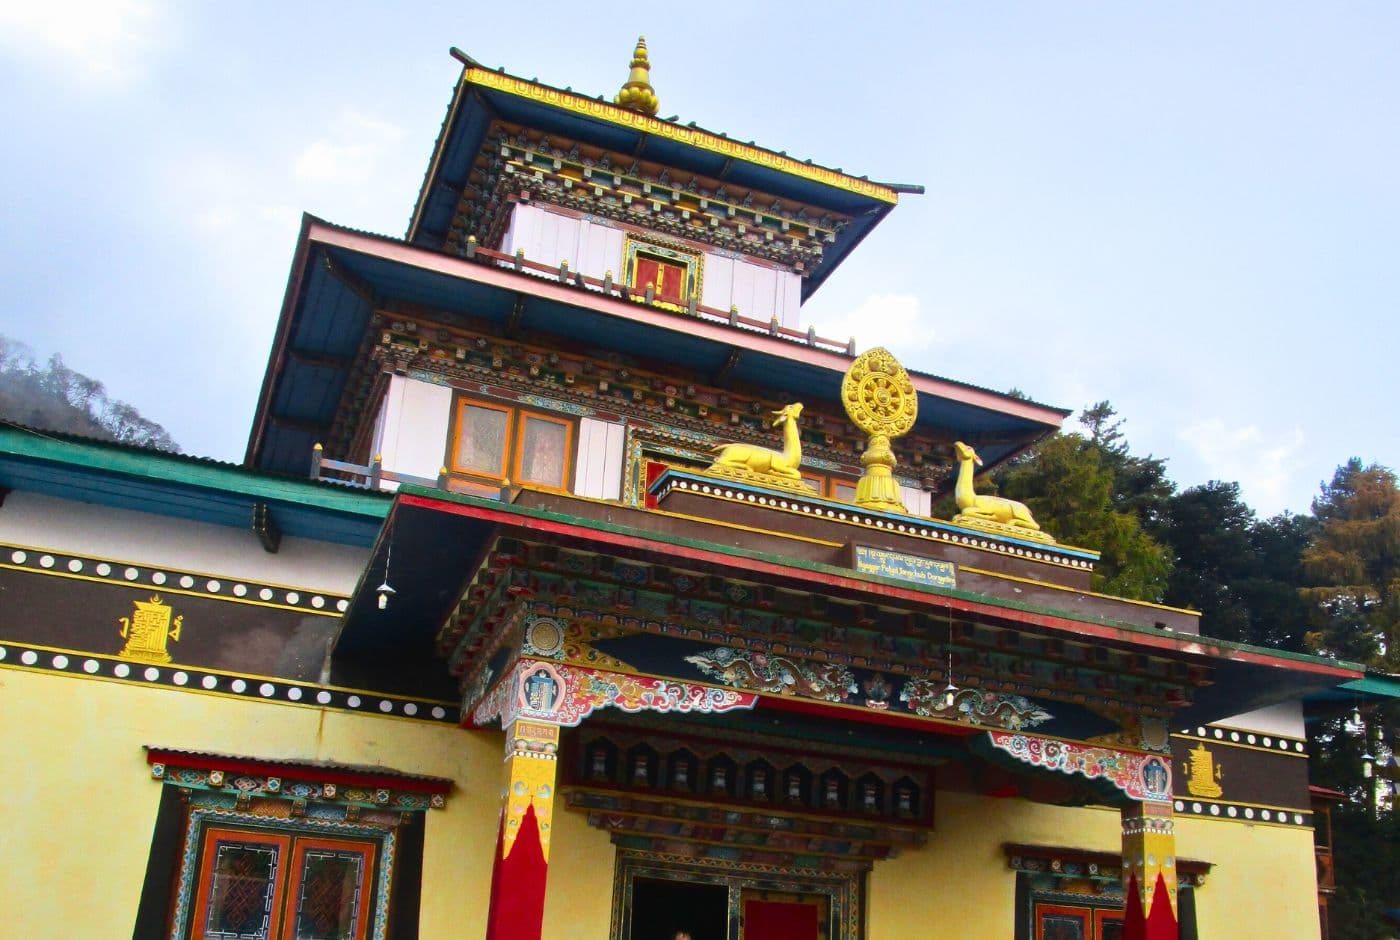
[1355,717]
[385,592]
[950,691]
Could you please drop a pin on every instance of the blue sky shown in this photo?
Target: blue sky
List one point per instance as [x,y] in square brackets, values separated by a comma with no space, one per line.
[1189,209]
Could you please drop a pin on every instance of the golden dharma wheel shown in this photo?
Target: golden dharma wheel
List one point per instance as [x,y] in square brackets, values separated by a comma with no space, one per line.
[878,394]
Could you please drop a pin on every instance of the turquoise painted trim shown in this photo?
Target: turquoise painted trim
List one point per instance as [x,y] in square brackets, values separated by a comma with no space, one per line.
[1375,683]
[156,467]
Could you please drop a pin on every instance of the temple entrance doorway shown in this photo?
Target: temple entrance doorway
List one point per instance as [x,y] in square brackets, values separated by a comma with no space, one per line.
[773,915]
[656,895]
[662,908]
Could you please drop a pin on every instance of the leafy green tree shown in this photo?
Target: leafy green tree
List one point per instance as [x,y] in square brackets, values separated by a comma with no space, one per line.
[1208,529]
[1140,484]
[1241,573]
[1069,484]
[1352,567]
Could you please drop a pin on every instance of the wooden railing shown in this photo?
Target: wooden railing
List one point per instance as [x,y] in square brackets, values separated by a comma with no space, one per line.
[372,476]
[612,288]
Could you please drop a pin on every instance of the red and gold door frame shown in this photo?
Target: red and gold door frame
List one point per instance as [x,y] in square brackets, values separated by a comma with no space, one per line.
[674,273]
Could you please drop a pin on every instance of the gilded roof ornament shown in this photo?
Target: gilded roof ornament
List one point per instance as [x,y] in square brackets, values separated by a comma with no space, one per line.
[637,94]
[995,514]
[880,400]
[772,468]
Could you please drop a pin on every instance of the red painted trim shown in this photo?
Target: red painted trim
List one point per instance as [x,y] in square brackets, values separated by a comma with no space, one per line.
[298,772]
[1134,922]
[868,716]
[1161,922]
[517,885]
[507,279]
[1080,629]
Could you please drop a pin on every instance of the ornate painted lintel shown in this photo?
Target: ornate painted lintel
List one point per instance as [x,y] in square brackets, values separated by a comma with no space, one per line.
[1140,776]
[564,695]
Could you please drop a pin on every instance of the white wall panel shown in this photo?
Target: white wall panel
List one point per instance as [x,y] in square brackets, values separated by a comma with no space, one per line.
[1285,718]
[549,238]
[142,538]
[417,419]
[598,472]
[717,288]
[918,502]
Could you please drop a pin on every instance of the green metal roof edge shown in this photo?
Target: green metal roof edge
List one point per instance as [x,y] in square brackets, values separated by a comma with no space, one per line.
[819,568]
[196,472]
[1375,683]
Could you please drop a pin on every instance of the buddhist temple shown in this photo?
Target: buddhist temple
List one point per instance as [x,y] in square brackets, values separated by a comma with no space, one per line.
[573,586]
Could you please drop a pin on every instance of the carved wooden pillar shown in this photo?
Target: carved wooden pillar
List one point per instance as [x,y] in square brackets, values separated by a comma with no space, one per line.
[1149,871]
[521,865]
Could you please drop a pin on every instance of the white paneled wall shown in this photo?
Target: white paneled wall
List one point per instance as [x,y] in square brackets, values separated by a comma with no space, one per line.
[918,502]
[598,472]
[414,424]
[549,237]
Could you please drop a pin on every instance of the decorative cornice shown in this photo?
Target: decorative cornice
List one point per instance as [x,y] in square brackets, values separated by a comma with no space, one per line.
[298,782]
[693,137]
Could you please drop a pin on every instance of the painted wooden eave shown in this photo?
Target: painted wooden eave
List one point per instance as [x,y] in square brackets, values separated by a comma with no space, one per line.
[532,522]
[507,279]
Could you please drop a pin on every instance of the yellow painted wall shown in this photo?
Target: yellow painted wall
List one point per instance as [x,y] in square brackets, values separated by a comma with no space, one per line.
[578,896]
[79,803]
[959,885]
[1263,885]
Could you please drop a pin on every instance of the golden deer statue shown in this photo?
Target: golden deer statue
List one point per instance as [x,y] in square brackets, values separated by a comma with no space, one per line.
[973,507]
[748,459]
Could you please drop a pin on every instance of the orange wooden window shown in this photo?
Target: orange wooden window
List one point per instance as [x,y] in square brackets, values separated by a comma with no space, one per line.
[1062,922]
[242,882]
[497,442]
[266,885]
[480,439]
[544,449]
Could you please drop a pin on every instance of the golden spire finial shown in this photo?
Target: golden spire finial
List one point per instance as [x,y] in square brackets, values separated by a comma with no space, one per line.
[637,94]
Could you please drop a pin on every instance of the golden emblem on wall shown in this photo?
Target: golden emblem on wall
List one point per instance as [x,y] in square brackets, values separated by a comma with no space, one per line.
[1202,776]
[880,400]
[149,630]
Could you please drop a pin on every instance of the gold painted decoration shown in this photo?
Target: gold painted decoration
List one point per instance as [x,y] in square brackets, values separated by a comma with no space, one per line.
[532,750]
[773,468]
[995,514]
[880,400]
[637,94]
[1202,776]
[149,630]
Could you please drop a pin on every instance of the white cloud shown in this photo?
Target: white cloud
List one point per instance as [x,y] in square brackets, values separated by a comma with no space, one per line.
[895,321]
[94,40]
[1264,467]
[349,153]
